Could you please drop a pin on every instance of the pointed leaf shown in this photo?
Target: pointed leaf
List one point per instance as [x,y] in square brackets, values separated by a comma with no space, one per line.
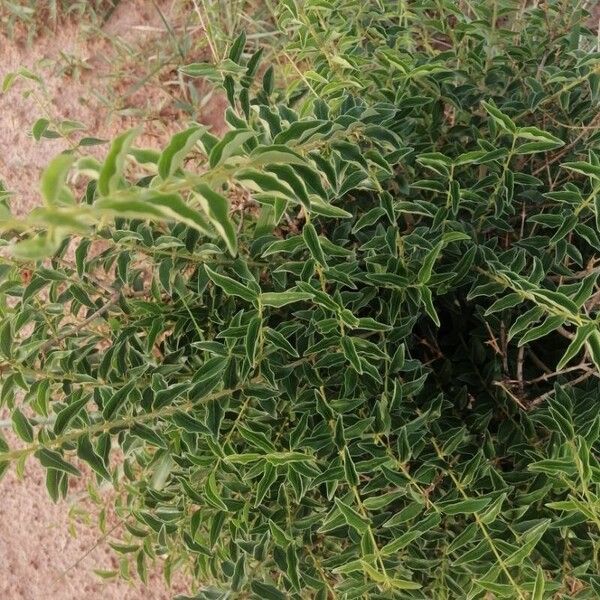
[112,169]
[180,145]
[216,208]
[230,286]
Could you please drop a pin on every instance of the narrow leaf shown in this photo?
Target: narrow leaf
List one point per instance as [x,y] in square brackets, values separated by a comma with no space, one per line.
[112,169]
[216,208]
[173,155]
[230,286]
[311,239]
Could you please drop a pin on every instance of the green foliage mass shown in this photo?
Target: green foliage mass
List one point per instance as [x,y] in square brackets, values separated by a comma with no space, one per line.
[376,376]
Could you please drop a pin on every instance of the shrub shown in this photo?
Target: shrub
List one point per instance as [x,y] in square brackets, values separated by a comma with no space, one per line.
[350,349]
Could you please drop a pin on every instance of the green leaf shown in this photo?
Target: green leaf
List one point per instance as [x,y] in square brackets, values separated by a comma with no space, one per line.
[112,169]
[53,460]
[524,321]
[239,573]
[351,354]
[409,512]
[508,301]
[145,155]
[579,339]
[553,466]
[583,454]
[21,426]
[326,209]
[541,330]
[148,435]
[172,206]
[566,505]
[8,81]
[216,208]
[477,157]
[284,246]
[269,80]
[379,502]
[368,219]
[6,339]
[40,130]
[265,183]
[163,467]
[293,568]
[492,513]
[403,584]
[52,182]
[500,590]
[265,591]
[276,154]
[180,145]
[279,299]
[412,534]
[155,206]
[210,369]
[352,518]
[267,480]
[537,135]
[466,507]
[237,48]
[542,141]
[208,70]
[287,174]
[189,423]
[500,118]
[229,145]
[117,400]
[436,161]
[311,239]
[583,168]
[285,458]
[86,452]
[534,147]
[426,269]
[280,342]
[230,286]
[252,340]
[211,493]
[593,344]
[67,414]
[527,544]
[256,439]
[427,299]
[540,584]
[350,473]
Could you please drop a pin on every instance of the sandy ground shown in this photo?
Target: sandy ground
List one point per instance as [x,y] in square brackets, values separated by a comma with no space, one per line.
[39,557]
[105,80]
[42,558]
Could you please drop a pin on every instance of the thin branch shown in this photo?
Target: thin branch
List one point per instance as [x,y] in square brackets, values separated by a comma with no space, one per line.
[520,361]
[127,421]
[95,545]
[537,401]
[548,376]
[579,275]
[505,389]
[114,299]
